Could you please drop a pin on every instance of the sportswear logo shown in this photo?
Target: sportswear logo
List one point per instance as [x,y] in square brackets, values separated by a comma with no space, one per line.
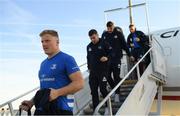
[119,30]
[104,79]
[47,79]
[70,101]
[53,66]
[89,49]
[71,104]
[119,65]
[137,39]
[115,36]
[75,67]
[99,47]
[43,75]
[132,45]
[131,39]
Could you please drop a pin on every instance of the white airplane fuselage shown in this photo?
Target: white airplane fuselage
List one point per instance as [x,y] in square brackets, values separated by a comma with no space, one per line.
[170,41]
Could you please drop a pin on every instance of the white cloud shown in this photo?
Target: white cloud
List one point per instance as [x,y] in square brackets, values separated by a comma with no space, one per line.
[14,13]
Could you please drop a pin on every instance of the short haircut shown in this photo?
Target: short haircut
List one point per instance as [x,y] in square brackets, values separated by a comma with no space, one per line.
[131,25]
[51,32]
[92,31]
[109,24]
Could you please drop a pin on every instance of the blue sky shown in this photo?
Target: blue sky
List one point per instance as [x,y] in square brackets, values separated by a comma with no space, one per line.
[21,21]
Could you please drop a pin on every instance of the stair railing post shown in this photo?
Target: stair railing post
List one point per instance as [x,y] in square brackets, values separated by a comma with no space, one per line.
[11,108]
[159,101]
[138,73]
[109,106]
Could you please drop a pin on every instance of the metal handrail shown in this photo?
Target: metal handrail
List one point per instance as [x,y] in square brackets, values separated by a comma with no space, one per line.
[82,65]
[20,96]
[118,85]
[9,103]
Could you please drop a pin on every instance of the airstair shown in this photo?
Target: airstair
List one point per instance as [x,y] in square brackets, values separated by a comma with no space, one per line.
[137,96]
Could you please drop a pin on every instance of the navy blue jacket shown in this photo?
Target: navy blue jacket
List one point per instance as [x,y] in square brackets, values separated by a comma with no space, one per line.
[143,42]
[94,54]
[43,105]
[117,41]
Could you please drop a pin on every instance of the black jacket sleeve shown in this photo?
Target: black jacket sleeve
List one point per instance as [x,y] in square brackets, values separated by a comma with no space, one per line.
[123,43]
[108,49]
[103,35]
[144,38]
[128,41]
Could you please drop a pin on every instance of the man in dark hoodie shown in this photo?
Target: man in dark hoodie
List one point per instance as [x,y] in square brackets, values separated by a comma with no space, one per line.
[59,73]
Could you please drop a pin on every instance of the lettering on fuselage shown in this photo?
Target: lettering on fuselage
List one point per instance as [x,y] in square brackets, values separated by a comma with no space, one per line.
[169,34]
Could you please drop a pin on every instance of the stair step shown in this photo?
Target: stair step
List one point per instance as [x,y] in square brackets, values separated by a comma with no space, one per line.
[124,93]
[89,111]
[125,89]
[127,86]
[129,82]
[101,98]
[114,105]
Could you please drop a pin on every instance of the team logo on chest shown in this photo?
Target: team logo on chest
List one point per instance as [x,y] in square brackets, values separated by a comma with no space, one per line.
[119,65]
[43,75]
[115,36]
[99,47]
[53,66]
[104,79]
[89,49]
[131,39]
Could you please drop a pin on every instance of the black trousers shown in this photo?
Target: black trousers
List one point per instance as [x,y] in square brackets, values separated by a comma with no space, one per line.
[114,68]
[97,79]
[56,112]
[138,53]
[65,112]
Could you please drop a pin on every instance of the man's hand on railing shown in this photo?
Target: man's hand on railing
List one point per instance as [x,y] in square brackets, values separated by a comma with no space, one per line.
[26,105]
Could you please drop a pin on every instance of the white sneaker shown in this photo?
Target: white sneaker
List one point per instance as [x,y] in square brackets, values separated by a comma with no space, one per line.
[116,98]
[106,111]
